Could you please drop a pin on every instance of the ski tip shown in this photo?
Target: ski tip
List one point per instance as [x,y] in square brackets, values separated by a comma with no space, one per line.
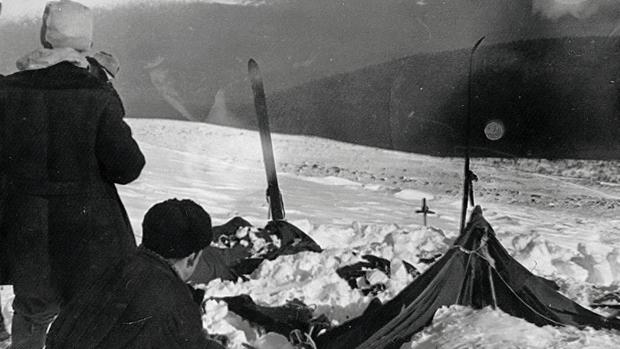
[252,64]
[478,43]
[254,72]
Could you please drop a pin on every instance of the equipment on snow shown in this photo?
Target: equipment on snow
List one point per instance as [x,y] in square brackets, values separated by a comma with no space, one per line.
[240,248]
[356,274]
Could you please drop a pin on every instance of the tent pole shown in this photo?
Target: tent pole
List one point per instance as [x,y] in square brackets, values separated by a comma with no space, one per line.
[492,286]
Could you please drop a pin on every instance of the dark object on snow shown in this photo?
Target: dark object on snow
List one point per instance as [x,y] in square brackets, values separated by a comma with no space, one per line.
[247,266]
[230,228]
[430,260]
[477,271]
[350,273]
[294,315]
[223,340]
[411,270]
[222,263]
[139,304]
[374,289]
[609,300]
[234,262]
[292,239]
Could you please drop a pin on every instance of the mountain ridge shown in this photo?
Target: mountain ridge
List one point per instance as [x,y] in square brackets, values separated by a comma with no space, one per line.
[557,98]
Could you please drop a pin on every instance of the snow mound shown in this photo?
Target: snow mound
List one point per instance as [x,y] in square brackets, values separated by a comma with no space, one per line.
[463,327]
[330,180]
[546,258]
[312,278]
[413,195]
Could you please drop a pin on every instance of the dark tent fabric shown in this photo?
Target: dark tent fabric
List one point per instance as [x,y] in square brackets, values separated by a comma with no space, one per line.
[234,262]
[476,271]
[294,315]
[230,228]
[219,263]
[292,239]
[352,272]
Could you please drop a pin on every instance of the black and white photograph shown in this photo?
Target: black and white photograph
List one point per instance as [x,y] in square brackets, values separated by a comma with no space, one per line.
[309,174]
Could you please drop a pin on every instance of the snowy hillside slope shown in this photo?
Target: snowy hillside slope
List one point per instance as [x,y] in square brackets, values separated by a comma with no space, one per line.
[355,200]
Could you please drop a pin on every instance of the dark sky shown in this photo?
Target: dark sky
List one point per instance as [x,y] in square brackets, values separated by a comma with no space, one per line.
[327,36]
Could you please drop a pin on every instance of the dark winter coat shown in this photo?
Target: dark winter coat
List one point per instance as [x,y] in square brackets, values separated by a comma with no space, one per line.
[140,304]
[64,144]
[3,261]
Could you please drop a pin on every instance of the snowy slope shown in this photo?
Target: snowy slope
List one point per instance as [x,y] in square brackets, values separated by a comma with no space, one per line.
[353,200]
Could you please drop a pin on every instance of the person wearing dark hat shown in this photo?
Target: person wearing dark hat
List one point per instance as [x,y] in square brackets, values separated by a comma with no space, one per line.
[64,147]
[145,302]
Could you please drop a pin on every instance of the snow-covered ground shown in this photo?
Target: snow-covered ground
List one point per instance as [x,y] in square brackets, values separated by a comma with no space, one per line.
[560,219]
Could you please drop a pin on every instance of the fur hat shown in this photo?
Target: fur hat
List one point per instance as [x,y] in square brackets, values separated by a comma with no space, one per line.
[67,24]
[176,228]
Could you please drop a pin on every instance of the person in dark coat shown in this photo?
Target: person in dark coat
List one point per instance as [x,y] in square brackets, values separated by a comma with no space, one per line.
[4,335]
[145,302]
[64,147]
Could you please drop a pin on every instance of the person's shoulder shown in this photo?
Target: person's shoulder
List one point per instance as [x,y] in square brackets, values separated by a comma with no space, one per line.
[7,80]
[60,76]
[157,282]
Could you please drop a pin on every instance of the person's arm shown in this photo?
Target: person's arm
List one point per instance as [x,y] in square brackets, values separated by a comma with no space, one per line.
[120,158]
[184,330]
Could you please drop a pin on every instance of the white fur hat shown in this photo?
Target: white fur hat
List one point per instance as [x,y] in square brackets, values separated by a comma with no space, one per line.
[67,24]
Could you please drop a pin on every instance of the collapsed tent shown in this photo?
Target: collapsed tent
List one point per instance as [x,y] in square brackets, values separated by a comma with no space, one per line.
[476,271]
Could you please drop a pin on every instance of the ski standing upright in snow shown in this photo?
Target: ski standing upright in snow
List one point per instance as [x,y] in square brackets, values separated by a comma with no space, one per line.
[292,239]
[468,175]
[274,197]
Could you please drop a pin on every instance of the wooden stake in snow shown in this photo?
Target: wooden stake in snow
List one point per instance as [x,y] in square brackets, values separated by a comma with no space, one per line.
[424,210]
